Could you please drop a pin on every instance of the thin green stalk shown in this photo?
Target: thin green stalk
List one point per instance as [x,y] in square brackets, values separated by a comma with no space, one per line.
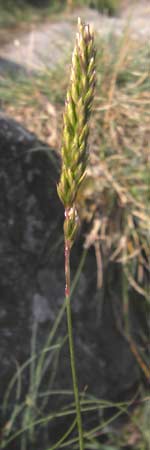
[74,161]
[63,438]
[71,345]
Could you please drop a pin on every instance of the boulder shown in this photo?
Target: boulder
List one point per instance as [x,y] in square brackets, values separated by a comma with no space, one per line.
[32,299]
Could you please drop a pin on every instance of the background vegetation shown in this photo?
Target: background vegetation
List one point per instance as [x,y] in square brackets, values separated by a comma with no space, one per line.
[14,11]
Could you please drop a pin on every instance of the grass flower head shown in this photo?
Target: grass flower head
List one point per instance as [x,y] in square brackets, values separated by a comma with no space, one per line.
[76,124]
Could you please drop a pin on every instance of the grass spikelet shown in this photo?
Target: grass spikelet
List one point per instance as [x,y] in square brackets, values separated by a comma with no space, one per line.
[74,160]
[76,117]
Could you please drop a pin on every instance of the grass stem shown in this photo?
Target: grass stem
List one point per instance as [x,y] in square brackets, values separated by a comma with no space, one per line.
[71,345]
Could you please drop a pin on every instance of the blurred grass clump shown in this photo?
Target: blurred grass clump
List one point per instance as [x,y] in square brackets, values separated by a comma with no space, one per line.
[108,6]
[14,12]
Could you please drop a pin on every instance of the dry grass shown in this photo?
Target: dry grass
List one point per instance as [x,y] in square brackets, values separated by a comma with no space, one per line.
[120,163]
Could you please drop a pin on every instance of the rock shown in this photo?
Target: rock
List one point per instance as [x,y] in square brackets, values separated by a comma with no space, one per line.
[11,68]
[29,211]
[32,295]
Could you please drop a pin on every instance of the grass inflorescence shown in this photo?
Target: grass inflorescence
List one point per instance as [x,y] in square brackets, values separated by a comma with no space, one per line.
[74,153]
